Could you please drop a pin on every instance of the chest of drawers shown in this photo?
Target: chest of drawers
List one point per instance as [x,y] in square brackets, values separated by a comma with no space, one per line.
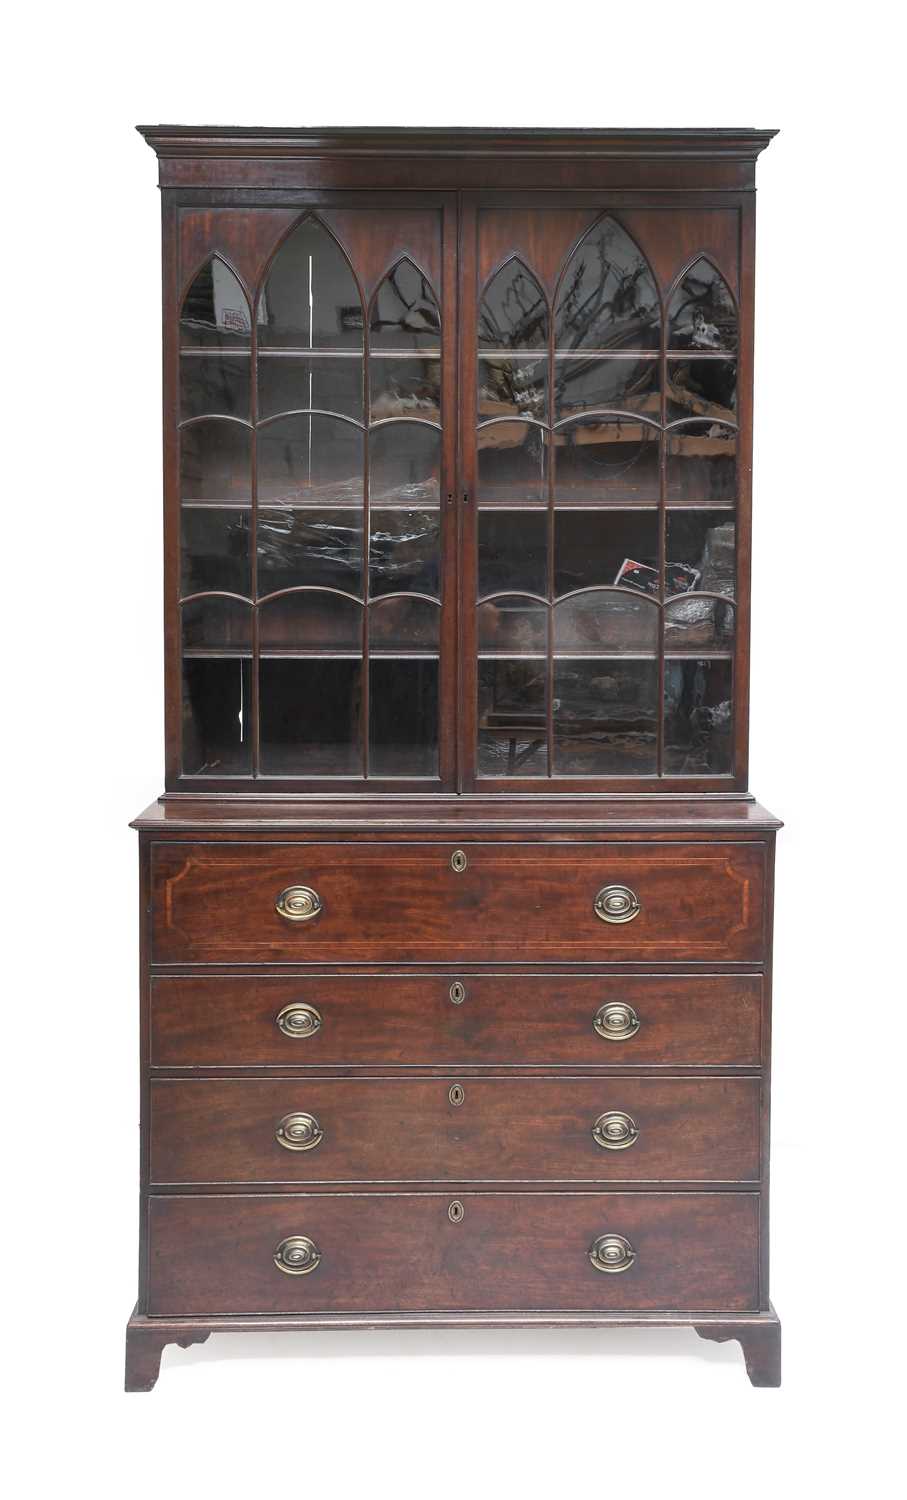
[456,908]
[459,1089]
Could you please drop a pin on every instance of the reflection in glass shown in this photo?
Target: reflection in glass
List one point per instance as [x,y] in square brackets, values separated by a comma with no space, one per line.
[309,547]
[290,383]
[214,385]
[512,625]
[215,461]
[310,716]
[613,460]
[310,621]
[699,622]
[607,297]
[606,620]
[216,717]
[605,718]
[702,388]
[405,388]
[215,551]
[405,464]
[591,547]
[702,314]
[606,384]
[698,718]
[310,299]
[512,732]
[512,463]
[701,466]
[701,552]
[215,313]
[403,624]
[513,552]
[217,625]
[404,551]
[405,312]
[403,718]
[310,460]
[513,313]
[513,388]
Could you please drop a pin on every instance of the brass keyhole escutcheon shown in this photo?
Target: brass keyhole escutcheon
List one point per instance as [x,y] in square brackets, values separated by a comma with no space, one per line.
[458,861]
[456,1212]
[457,993]
[456,1094]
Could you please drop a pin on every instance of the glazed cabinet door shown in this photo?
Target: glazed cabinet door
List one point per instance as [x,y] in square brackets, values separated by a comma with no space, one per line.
[312,448]
[603,489]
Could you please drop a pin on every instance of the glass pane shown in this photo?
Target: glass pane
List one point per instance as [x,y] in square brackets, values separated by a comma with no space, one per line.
[701,552]
[215,313]
[309,547]
[702,464]
[215,461]
[405,312]
[310,460]
[698,718]
[405,464]
[402,624]
[513,626]
[513,463]
[214,385]
[216,706]
[513,388]
[403,718]
[310,717]
[404,553]
[607,460]
[702,388]
[310,621]
[287,383]
[606,620]
[607,298]
[513,552]
[405,388]
[594,546]
[512,733]
[513,313]
[217,625]
[613,384]
[310,299]
[605,718]
[699,622]
[215,551]
[702,314]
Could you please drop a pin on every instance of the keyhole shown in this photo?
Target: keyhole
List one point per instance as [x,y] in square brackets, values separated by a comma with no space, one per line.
[458,861]
[456,1094]
[456,1212]
[457,993]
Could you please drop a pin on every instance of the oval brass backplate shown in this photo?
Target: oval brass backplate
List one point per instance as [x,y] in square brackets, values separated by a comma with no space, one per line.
[615,1130]
[611,1252]
[299,1132]
[298,1020]
[297,1255]
[616,1022]
[298,903]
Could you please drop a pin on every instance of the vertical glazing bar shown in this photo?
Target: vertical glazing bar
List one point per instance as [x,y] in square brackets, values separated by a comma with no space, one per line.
[254,709]
[448,738]
[549,642]
[366,524]
[662,538]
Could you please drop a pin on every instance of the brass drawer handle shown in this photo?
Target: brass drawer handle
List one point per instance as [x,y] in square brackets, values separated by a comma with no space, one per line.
[611,1252]
[297,1255]
[616,903]
[298,903]
[298,1019]
[299,1132]
[616,1022]
[615,1131]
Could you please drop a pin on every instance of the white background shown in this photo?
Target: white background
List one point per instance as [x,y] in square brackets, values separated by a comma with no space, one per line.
[449,1414]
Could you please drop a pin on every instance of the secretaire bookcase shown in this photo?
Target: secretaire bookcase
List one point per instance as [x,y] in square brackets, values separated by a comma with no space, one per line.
[456,912]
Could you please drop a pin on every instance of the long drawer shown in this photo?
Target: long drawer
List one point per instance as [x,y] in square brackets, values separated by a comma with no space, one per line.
[411,902]
[473,1020]
[421,1252]
[437,1130]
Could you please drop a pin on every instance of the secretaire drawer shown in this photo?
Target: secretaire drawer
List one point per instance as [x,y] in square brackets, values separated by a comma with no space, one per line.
[473,1020]
[440,1130]
[428,1252]
[399,902]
